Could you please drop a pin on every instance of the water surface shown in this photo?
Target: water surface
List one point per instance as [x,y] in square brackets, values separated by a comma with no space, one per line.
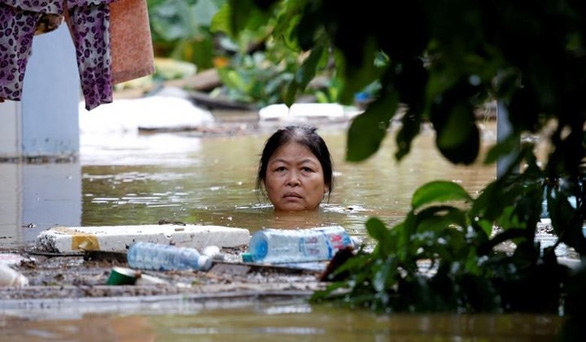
[131,179]
[285,321]
[211,181]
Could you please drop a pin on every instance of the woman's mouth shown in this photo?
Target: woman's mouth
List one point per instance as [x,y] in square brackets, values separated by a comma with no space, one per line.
[292,194]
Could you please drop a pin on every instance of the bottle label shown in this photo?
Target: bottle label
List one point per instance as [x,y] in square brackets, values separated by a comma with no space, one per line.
[286,246]
[314,247]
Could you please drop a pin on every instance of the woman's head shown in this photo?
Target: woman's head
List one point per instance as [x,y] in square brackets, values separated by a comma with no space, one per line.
[295,169]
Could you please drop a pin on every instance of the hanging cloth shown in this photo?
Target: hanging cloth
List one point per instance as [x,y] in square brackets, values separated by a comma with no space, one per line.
[89,24]
[132,44]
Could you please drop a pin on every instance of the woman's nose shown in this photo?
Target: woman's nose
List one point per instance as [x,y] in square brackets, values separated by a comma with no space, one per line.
[293,179]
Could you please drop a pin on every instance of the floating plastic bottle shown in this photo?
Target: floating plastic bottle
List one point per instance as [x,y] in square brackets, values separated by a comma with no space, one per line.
[277,246]
[160,257]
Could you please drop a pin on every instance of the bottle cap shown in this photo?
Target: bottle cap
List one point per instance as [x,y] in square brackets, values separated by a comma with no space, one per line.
[123,276]
[204,263]
[246,257]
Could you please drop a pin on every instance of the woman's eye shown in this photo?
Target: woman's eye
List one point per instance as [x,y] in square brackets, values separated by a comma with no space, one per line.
[306,169]
[280,169]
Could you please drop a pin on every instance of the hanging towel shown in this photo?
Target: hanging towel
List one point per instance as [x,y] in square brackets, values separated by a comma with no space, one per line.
[131,43]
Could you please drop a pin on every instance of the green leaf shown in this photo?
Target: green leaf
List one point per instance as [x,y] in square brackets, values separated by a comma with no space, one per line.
[240,13]
[455,128]
[287,22]
[457,137]
[291,94]
[309,67]
[379,231]
[410,128]
[244,15]
[304,74]
[438,218]
[566,221]
[221,20]
[453,118]
[356,77]
[503,148]
[383,278]
[367,130]
[204,11]
[174,20]
[438,191]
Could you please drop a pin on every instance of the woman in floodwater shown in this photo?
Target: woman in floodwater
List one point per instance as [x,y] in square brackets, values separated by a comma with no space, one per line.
[295,170]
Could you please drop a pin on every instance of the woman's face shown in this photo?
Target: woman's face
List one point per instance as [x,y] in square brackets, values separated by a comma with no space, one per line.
[294,180]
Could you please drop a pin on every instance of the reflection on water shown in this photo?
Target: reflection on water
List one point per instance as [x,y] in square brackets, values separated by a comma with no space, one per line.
[285,321]
[211,180]
[34,197]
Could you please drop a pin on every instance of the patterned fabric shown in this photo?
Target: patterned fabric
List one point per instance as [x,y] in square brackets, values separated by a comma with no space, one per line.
[43,6]
[89,21]
[16,40]
[91,35]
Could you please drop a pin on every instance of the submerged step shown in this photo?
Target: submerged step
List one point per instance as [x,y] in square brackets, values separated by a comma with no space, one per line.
[118,238]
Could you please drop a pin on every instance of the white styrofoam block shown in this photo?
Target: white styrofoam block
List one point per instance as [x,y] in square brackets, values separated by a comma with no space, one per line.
[301,110]
[118,238]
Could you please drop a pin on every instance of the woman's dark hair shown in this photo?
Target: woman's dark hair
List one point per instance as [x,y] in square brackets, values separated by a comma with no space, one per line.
[304,135]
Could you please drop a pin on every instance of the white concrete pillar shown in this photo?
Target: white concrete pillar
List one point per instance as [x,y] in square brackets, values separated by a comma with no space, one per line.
[10,131]
[43,125]
[45,122]
[503,130]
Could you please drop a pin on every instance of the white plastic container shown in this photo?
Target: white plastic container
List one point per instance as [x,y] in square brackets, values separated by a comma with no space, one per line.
[276,246]
[11,277]
[160,257]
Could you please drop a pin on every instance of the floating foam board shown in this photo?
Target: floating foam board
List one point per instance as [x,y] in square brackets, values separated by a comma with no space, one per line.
[118,238]
[302,110]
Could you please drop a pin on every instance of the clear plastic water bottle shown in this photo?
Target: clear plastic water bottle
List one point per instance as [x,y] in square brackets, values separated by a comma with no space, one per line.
[300,245]
[160,257]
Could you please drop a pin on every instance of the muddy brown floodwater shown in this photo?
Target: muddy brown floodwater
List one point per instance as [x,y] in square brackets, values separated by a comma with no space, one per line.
[208,177]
